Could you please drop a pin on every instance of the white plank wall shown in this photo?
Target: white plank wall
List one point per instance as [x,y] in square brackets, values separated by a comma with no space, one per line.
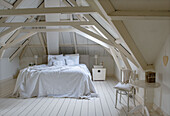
[48,106]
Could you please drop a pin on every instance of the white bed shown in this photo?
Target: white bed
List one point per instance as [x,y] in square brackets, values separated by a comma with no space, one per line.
[58,81]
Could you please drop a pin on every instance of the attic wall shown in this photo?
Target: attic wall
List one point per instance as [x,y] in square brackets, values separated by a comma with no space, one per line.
[86,48]
[52,37]
[108,62]
[162,94]
[8,69]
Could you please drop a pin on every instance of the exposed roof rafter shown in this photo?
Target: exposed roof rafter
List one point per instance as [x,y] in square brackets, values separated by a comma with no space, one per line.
[18,40]
[9,31]
[43,24]
[18,50]
[126,15]
[43,11]
[6,4]
[123,33]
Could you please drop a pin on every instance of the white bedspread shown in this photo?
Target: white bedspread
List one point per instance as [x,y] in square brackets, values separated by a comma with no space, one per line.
[65,81]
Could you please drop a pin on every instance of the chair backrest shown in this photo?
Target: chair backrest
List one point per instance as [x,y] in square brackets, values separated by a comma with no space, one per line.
[125,75]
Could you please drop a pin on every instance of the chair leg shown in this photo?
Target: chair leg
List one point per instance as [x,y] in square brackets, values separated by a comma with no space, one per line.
[116,99]
[134,97]
[120,97]
[128,101]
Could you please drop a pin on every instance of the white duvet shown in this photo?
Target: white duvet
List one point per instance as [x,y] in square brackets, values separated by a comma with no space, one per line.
[44,80]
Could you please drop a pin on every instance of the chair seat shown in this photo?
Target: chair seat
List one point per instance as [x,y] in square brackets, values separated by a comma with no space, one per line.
[123,87]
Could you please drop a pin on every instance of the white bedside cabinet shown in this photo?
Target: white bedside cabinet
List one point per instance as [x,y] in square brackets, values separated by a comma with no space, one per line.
[99,73]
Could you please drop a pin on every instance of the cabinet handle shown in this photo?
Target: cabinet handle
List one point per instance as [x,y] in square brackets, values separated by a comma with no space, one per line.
[99,71]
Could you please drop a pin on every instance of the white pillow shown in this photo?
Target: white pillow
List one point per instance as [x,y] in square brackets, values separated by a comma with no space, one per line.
[58,63]
[53,58]
[69,62]
[72,57]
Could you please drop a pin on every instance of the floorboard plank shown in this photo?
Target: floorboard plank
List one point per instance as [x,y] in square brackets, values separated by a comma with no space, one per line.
[41,110]
[50,107]
[71,108]
[30,107]
[64,107]
[78,107]
[20,108]
[57,107]
[85,105]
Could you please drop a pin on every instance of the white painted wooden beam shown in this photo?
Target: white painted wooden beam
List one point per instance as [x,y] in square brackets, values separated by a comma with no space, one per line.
[23,51]
[127,65]
[18,50]
[43,24]
[17,3]
[18,40]
[123,33]
[2,50]
[130,43]
[129,15]
[51,10]
[94,37]
[92,3]
[9,31]
[50,30]
[3,19]
[112,39]
[65,45]
[6,4]
[25,48]
[115,57]
[73,2]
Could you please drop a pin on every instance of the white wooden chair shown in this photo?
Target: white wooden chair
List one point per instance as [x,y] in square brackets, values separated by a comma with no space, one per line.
[124,88]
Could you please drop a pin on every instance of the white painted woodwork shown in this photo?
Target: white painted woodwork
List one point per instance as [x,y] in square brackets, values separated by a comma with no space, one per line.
[115,57]
[104,7]
[6,4]
[50,30]
[18,50]
[130,42]
[43,24]
[9,31]
[141,6]
[43,11]
[2,50]
[94,37]
[127,65]
[133,15]
[3,19]
[18,40]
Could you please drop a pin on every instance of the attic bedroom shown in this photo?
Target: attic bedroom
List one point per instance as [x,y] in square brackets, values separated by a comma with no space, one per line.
[84,57]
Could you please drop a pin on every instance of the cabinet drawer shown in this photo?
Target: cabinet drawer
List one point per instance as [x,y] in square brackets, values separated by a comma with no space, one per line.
[99,74]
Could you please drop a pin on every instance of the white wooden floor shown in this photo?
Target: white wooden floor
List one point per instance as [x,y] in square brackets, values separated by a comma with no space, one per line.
[101,106]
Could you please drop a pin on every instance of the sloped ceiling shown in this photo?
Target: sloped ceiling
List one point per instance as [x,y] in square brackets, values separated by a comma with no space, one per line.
[141,4]
[149,36]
